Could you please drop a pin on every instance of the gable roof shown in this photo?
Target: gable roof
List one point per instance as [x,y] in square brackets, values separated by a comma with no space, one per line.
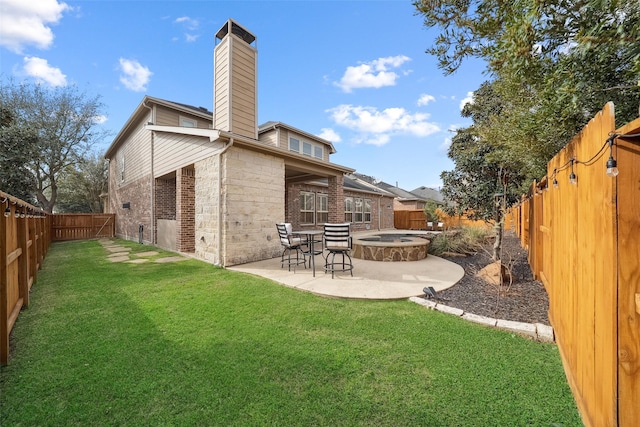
[270,125]
[142,109]
[428,194]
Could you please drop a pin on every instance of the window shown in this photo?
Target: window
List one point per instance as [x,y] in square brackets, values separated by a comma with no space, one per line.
[307,148]
[307,208]
[322,214]
[188,123]
[348,209]
[367,210]
[294,145]
[122,168]
[358,210]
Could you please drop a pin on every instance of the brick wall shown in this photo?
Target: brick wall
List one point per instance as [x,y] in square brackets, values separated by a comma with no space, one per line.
[137,194]
[381,208]
[185,210]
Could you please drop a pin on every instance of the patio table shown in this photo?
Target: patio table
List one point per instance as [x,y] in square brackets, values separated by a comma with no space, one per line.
[311,240]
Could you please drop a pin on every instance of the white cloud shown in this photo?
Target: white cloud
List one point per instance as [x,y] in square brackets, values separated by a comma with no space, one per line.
[376,127]
[330,135]
[26,23]
[466,100]
[41,70]
[100,119]
[425,99]
[372,74]
[189,23]
[444,147]
[134,75]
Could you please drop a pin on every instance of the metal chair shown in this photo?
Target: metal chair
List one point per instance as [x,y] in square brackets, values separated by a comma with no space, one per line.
[291,244]
[337,241]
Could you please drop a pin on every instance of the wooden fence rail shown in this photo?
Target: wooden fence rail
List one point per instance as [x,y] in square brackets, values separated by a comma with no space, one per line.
[26,233]
[82,226]
[584,246]
[23,244]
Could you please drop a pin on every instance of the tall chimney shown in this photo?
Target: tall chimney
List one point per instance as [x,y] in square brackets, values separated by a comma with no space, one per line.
[235,83]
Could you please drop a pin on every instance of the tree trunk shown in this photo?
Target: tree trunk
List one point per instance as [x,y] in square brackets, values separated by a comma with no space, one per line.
[497,245]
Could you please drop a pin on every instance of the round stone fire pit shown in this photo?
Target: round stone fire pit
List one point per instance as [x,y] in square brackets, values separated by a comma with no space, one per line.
[390,246]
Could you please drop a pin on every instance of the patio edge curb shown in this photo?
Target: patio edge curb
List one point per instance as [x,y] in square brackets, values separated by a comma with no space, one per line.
[537,331]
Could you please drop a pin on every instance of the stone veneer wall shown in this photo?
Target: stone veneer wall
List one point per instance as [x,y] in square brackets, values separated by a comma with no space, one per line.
[207,199]
[253,202]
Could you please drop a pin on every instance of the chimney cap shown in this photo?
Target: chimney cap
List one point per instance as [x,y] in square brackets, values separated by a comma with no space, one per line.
[236,29]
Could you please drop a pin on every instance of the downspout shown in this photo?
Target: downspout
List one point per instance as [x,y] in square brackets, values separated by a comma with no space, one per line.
[153,181]
[224,150]
[380,212]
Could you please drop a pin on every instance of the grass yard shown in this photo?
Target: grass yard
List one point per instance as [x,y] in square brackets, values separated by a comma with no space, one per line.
[188,343]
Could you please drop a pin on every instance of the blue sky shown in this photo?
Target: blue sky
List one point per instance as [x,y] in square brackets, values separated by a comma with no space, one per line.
[353,72]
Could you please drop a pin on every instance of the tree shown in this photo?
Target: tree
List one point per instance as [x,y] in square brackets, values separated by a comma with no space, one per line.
[80,185]
[554,63]
[484,173]
[17,147]
[65,121]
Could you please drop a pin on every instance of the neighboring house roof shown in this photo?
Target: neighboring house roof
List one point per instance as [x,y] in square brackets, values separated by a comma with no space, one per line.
[354,184]
[267,126]
[142,109]
[401,194]
[428,194]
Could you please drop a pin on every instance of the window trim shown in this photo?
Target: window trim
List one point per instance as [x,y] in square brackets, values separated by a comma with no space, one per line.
[313,146]
[184,119]
[303,199]
[324,196]
[366,210]
[347,211]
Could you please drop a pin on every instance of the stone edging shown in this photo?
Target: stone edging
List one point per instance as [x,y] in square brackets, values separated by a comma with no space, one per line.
[537,331]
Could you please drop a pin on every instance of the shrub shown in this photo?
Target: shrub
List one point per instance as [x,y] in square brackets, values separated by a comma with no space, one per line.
[466,240]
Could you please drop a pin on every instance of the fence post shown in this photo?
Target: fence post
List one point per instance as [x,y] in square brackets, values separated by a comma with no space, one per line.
[23,260]
[4,315]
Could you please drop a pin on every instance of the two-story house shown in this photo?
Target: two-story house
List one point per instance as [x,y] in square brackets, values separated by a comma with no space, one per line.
[215,183]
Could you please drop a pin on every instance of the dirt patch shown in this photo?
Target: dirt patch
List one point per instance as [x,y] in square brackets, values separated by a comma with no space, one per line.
[525,300]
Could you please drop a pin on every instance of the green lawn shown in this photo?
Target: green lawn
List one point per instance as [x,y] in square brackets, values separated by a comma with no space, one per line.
[188,343]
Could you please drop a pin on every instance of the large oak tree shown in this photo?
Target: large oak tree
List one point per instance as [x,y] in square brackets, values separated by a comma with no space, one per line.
[65,122]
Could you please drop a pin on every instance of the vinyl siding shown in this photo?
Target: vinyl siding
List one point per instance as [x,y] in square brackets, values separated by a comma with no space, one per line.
[168,117]
[137,160]
[172,151]
[221,86]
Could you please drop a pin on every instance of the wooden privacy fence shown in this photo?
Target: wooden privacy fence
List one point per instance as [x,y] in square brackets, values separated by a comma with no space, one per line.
[26,233]
[584,245]
[417,220]
[23,244]
[82,226]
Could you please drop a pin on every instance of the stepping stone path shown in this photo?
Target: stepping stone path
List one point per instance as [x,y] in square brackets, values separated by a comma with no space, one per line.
[119,253]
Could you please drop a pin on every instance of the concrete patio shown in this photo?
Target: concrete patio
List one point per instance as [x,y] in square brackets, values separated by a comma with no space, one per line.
[371,279]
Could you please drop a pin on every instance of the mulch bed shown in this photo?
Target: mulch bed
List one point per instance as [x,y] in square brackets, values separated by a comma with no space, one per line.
[524,301]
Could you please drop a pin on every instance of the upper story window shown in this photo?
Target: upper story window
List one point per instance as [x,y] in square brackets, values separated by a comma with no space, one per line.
[188,123]
[122,168]
[307,148]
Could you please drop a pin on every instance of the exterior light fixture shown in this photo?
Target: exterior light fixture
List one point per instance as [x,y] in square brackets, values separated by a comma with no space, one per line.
[612,164]
[555,183]
[573,179]
[7,212]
